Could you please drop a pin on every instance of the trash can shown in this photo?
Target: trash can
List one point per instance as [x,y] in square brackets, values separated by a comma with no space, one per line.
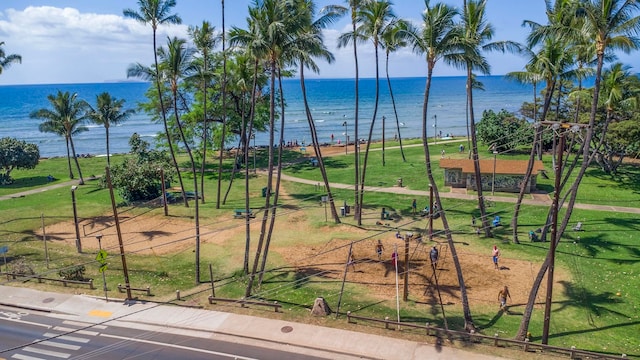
[264,192]
[342,211]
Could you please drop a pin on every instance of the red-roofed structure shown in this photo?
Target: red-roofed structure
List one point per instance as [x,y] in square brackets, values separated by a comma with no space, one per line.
[460,173]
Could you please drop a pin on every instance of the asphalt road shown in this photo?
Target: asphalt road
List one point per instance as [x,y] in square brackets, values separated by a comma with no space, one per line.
[29,336]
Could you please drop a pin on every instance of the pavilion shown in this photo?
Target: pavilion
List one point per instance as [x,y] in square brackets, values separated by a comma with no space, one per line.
[508,174]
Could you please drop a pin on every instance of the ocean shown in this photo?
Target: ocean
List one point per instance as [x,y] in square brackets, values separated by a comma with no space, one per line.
[331,100]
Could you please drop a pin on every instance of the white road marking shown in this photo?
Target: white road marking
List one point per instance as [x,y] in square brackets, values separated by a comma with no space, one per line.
[46,352]
[25,357]
[27,322]
[67,337]
[75,331]
[231,356]
[84,324]
[59,345]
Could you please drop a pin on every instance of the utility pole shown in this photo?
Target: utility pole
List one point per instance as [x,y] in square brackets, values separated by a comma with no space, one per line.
[117,221]
[75,218]
[405,294]
[554,238]
[558,127]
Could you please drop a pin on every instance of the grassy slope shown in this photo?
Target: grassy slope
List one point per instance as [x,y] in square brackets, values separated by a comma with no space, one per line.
[588,313]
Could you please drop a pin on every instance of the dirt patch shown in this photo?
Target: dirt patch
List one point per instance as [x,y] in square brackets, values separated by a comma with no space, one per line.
[326,260]
[482,280]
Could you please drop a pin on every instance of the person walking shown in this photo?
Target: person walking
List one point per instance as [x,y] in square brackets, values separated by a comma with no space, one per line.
[379,249]
[433,255]
[502,297]
[496,256]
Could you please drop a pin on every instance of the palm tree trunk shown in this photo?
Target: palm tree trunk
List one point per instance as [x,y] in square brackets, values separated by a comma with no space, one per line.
[195,183]
[532,156]
[316,147]
[373,122]
[71,176]
[469,325]
[224,109]
[75,158]
[395,111]
[474,153]
[204,133]
[108,153]
[267,205]
[357,211]
[164,120]
[276,193]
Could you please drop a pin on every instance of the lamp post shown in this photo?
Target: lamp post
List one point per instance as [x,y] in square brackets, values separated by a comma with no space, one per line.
[75,218]
[493,182]
[346,137]
[104,278]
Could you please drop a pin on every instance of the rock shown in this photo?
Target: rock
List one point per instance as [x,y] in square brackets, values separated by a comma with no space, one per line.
[320,307]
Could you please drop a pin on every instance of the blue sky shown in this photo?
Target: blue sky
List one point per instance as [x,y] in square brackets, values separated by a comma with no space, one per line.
[76,41]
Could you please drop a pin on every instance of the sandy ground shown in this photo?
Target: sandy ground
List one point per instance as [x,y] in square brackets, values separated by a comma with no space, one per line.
[157,235]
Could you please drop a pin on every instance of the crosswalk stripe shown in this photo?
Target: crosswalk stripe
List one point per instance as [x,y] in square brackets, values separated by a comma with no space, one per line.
[25,357]
[67,337]
[81,332]
[84,324]
[60,345]
[47,352]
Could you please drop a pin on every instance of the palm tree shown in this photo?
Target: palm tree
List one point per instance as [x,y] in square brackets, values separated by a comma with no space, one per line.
[304,43]
[65,119]
[109,111]
[477,33]
[224,106]
[392,40]
[204,40]
[269,18]
[354,6]
[177,63]
[7,60]
[307,45]
[252,43]
[611,25]
[372,18]
[156,13]
[438,39]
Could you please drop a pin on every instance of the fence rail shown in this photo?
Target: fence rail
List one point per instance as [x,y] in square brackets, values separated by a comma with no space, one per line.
[275,305]
[495,340]
[65,282]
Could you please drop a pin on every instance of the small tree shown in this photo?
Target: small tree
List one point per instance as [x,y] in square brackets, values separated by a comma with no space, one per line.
[503,130]
[137,177]
[16,154]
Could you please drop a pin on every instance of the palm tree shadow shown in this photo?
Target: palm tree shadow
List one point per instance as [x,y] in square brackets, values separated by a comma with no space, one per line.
[494,319]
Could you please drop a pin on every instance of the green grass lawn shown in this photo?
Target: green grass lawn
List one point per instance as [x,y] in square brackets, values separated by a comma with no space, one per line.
[602,260]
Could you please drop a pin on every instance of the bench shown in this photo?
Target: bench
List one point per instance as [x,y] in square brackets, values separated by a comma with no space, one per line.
[241,213]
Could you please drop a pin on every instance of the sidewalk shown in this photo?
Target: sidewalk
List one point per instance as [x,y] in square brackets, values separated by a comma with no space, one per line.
[288,336]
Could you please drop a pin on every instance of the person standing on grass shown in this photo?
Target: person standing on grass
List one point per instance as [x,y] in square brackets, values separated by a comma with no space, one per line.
[495,255]
[379,249]
[502,296]
[414,206]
